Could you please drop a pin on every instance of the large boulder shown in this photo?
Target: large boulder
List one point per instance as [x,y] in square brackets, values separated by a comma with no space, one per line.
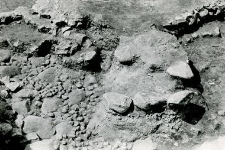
[181,70]
[50,105]
[42,127]
[117,102]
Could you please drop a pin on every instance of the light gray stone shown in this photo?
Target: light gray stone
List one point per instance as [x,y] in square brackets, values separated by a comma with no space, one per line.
[21,107]
[89,80]
[48,75]
[146,144]
[124,54]
[42,127]
[76,97]
[51,105]
[181,70]
[63,128]
[117,102]
[26,93]
[41,145]
[5,55]
[145,101]
[181,97]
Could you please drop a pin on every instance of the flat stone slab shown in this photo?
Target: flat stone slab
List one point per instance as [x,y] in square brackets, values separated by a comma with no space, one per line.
[181,70]
[182,97]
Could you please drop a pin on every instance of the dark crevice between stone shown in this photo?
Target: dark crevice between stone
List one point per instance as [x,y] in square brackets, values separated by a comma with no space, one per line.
[157,108]
[194,82]
[9,19]
[45,48]
[190,113]
[94,65]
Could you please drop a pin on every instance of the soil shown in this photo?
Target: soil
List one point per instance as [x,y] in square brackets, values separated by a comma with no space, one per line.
[67,54]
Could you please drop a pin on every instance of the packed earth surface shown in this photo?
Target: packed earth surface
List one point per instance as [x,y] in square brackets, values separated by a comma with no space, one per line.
[112,75]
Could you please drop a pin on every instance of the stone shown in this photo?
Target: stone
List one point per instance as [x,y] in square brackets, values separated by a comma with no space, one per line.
[5,55]
[124,54]
[41,145]
[76,97]
[32,136]
[117,102]
[21,107]
[19,120]
[48,75]
[78,37]
[63,128]
[181,70]
[42,127]
[89,56]
[63,147]
[63,47]
[26,93]
[89,80]
[146,144]
[5,128]
[217,32]
[4,94]
[9,71]
[50,105]
[12,86]
[145,102]
[37,61]
[216,144]
[203,13]
[181,97]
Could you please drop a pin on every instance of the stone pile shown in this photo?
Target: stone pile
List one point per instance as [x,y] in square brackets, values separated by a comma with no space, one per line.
[190,21]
